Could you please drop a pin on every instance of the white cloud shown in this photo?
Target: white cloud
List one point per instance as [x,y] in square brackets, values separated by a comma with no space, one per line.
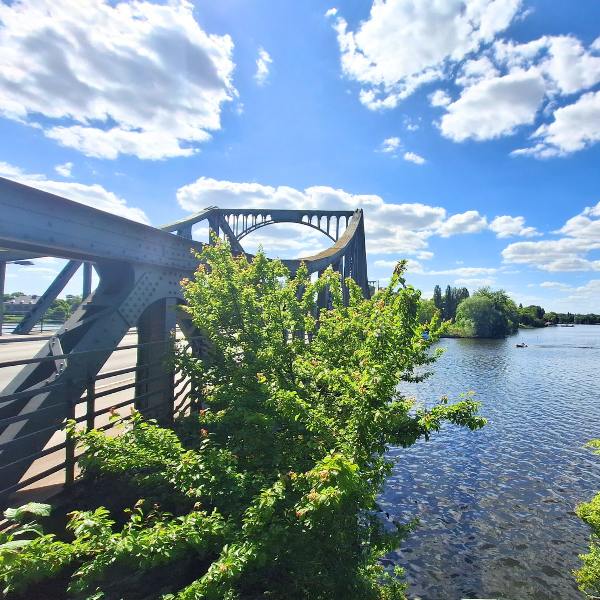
[406,43]
[466,271]
[569,253]
[414,158]
[424,255]
[566,254]
[468,222]
[402,229]
[574,128]
[507,226]
[440,98]
[473,276]
[331,12]
[475,70]
[136,78]
[555,284]
[562,59]
[584,298]
[65,169]
[263,66]
[584,226]
[475,282]
[411,124]
[494,107]
[390,145]
[93,195]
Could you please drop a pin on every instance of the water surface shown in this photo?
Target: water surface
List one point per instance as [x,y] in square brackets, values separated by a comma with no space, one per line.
[496,506]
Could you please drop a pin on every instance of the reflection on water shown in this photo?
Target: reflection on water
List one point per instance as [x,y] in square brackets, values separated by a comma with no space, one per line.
[496,506]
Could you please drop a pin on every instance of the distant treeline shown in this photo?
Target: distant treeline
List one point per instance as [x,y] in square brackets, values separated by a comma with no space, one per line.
[535,316]
[60,309]
[491,313]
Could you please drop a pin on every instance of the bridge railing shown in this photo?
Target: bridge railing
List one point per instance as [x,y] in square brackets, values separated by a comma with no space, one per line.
[99,407]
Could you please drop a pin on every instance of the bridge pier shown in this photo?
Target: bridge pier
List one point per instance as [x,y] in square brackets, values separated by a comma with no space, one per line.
[154,377]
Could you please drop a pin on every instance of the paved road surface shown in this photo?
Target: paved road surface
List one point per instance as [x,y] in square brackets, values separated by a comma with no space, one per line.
[118,360]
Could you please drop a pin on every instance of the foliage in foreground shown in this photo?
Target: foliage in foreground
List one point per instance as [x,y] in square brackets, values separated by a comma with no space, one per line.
[588,577]
[269,490]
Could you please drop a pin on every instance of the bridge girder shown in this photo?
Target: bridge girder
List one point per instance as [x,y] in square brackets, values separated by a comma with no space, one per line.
[140,269]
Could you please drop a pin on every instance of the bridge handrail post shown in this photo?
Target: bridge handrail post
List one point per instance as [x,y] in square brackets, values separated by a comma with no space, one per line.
[90,404]
[70,441]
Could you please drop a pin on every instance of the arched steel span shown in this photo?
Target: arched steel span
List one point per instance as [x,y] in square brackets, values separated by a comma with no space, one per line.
[140,268]
[344,228]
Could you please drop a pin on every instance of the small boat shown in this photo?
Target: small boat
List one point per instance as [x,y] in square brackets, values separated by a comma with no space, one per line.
[521,345]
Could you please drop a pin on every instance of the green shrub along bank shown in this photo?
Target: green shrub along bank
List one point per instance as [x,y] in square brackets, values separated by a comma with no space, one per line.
[588,576]
[486,314]
[269,489]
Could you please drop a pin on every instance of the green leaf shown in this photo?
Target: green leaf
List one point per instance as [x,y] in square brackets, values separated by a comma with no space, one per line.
[24,512]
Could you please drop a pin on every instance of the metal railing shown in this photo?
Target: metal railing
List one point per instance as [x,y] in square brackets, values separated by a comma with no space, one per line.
[90,408]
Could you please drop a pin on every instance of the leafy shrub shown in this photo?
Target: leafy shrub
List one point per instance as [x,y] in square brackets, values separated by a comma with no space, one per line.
[487,314]
[588,577]
[275,478]
[24,559]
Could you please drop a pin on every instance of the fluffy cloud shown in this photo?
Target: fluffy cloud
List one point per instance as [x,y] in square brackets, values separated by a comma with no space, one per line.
[406,43]
[564,61]
[390,145]
[440,98]
[391,228]
[468,222]
[93,195]
[506,226]
[555,284]
[114,78]
[575,127]
[569,253]
[585,297]
[475,70]
[65,169]
[263,66]
[414,158]
[463,272]
[475,282]
[494,107]
[506,88]
[565,254]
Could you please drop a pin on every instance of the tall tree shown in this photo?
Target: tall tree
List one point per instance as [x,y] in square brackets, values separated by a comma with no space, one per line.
[448,303]
[437,298]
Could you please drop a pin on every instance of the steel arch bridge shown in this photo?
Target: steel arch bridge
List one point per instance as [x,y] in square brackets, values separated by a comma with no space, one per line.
[139,269]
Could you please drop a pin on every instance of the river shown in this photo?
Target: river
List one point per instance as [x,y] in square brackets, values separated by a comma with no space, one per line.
[496,506]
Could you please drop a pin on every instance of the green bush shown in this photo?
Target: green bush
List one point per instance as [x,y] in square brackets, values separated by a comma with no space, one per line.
[487,314]
[275,477]
[588,576]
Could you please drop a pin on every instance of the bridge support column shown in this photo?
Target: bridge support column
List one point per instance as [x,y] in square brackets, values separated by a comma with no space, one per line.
[155,373]
[87,280]
[213,230]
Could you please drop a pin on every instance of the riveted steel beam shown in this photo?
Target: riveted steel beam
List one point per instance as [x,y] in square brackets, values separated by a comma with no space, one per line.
[47,298]
[38,222]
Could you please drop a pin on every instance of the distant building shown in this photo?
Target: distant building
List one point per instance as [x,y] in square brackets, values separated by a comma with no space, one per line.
[20,304]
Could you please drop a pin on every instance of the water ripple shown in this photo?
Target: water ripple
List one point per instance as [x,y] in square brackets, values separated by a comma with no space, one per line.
[496,506]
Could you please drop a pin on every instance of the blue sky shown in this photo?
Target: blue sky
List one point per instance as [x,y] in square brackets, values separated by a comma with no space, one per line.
[468,130]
